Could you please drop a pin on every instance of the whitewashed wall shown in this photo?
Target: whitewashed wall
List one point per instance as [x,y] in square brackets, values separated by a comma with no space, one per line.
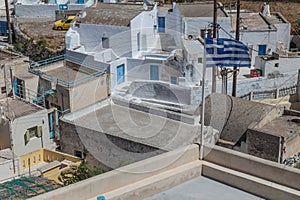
[283,34]
[143,24]
[146,25]
[285,65]
[29,9]
[19,127]
[256,38]
[91,38]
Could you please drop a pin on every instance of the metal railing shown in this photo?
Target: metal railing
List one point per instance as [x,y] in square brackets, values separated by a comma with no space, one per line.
[34,69]
[80,81]
[270,94]
[47,61]
[81,62]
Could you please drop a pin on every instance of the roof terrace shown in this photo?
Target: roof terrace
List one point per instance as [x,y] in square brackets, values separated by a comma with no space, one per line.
[63,73]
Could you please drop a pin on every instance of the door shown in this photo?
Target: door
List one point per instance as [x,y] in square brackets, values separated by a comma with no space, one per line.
[19,87]
[80,1]
[262,49]
[120,74]
[161,24]
[173,79]
[154,74]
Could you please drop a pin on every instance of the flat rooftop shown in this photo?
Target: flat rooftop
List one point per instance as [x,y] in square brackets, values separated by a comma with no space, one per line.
[112,14]
[285,126]
[19,108]
[141,127]
[199,9]
[251,22]
[203,188]
[65,73]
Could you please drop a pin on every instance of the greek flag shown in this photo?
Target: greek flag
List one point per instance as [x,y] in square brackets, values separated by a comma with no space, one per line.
[221,52]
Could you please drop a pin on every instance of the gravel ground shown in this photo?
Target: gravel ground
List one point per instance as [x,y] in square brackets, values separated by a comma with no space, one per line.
[43,31]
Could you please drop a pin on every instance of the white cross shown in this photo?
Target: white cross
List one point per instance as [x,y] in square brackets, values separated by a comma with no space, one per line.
[215,46]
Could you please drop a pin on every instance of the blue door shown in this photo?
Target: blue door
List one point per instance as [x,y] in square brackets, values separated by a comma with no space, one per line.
[51,125]
[16,88]
[262,49]
[80,1]
[173,79]
[154,74]
[120,74]
[161,24]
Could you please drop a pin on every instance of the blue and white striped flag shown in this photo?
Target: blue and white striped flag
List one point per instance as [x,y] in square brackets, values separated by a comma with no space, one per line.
[222,52]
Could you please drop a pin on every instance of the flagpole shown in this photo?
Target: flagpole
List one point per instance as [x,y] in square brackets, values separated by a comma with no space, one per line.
[203,101]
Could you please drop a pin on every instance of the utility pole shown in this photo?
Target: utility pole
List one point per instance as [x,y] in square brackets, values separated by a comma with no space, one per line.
[10,119]
[237,37]
[8,22]
[214,69]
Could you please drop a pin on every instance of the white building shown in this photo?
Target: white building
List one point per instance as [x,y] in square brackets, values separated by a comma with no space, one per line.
[47,8]
[24,127]
[166,36]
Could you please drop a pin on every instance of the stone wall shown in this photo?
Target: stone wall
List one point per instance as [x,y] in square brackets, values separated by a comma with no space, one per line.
[262,145]
[104,151]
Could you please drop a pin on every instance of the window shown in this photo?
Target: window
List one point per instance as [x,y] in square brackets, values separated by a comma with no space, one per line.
[78,154]
[105,42]
[138,41]
[39,157]
[207,31]
[32,132]
[276,65]
[199,60]
[23,163]
[34,159]
[3,90]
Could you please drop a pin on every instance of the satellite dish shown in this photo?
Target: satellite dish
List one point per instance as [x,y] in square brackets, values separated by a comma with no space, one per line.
[62,1]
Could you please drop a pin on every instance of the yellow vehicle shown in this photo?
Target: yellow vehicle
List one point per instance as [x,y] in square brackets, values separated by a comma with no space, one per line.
[63,24]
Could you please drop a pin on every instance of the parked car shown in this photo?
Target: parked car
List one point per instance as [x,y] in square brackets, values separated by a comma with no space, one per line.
[63,24]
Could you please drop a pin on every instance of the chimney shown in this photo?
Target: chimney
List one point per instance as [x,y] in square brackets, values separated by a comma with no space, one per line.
[266,11]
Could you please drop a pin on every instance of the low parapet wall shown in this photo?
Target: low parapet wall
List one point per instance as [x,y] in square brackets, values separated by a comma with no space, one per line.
[264,169]
[126,175]
[251,184]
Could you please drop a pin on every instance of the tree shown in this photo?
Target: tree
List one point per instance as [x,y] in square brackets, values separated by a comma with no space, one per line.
[297,26]
[78,173]
[36,51]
